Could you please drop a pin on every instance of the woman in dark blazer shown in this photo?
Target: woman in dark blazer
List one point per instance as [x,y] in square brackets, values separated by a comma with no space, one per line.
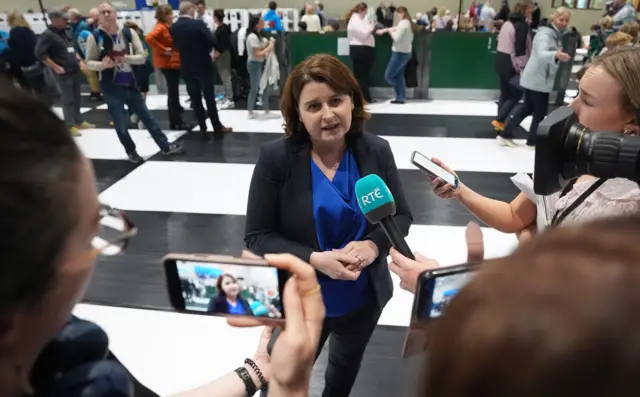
[228,299]
[302,201]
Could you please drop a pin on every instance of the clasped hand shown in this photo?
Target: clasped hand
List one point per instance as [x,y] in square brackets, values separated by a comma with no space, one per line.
[346,263]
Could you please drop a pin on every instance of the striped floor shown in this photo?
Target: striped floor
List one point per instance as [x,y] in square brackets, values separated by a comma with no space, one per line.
[197,203]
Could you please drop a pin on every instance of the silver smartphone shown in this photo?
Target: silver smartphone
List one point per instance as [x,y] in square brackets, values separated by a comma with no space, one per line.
[432,169]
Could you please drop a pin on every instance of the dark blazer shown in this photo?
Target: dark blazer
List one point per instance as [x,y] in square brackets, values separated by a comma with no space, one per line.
[280,208]
[194,41]
[218,304]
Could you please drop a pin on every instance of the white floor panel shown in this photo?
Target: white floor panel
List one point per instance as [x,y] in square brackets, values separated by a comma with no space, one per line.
[103,143]
[58,111]
[203,187]
[200,188]
[170,352]
[437,107]
[464,154]
[446,244]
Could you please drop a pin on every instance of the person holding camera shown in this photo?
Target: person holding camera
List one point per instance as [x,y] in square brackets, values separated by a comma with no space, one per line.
[608,100]
[45,271]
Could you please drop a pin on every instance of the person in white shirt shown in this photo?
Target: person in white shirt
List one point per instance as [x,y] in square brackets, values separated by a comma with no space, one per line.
[361,46]
[201,7]
[311,19]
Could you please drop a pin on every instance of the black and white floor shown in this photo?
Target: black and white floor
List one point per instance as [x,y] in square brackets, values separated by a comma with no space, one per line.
[197,202]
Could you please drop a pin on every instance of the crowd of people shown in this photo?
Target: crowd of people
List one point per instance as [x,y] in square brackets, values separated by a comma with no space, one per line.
[555,318]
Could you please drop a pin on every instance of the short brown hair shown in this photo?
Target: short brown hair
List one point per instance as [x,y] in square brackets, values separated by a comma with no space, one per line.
[321,68]
[555,319]
[164,13]
[632,28]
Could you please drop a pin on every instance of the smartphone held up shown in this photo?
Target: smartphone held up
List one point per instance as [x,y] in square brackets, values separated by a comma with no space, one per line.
[432,169]
[225,286]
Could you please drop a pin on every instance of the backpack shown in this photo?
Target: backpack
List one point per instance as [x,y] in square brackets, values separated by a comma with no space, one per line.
[140,72]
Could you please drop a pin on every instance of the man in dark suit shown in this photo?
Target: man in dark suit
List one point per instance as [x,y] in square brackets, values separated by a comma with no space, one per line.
[195,42]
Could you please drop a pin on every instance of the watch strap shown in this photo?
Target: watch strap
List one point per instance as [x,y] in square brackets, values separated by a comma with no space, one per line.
[249,386]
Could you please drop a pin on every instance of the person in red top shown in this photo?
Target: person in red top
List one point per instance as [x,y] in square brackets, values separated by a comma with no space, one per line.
[167,59]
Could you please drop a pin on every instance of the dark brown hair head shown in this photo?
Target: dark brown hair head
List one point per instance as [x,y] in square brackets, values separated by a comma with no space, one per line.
[219,283]
[558,318]
[320,68]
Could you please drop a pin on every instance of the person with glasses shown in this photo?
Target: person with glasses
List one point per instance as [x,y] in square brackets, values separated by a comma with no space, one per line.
[52,228]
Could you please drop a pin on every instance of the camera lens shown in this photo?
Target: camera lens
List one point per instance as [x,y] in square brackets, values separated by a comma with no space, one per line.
[605,154]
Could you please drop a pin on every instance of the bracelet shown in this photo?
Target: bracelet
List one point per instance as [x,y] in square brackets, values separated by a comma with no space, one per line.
[254,366]
[249,386]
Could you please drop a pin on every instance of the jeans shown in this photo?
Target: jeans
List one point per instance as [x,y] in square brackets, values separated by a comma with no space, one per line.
[536,104]
[395,73]
[116,96]
[363,57]
[172,77]
[255,74]
[509,97]
[198,86]
[69,84]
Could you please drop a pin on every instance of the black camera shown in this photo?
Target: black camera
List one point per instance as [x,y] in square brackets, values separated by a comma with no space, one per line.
[566,150]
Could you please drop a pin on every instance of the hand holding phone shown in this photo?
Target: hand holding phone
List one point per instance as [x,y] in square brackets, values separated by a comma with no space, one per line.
[437,287]
[443,178]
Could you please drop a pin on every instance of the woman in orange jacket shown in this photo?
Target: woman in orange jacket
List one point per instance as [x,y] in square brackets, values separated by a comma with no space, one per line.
[167,59]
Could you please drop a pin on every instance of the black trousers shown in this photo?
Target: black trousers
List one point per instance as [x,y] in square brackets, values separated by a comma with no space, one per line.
[173,96]
[362,57]
[536,105]
[509,97]
[197,87]
[350,335]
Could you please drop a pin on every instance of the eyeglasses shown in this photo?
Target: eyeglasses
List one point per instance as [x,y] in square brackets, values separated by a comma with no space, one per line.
[115,231]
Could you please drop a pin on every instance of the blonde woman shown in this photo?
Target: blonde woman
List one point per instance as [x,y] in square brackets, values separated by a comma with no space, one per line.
[28,70]
[538,77]
[402,36]
[311,19]
[608,100]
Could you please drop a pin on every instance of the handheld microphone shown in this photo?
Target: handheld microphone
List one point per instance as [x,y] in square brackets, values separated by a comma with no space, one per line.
[376,203]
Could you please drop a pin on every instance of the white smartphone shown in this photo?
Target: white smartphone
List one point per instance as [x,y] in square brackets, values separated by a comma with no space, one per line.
[432,169]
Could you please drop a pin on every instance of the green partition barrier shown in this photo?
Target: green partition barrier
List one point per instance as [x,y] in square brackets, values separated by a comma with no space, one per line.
[305,44]
[461,60]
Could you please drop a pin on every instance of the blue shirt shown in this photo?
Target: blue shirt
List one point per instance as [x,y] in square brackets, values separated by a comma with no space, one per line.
[237,308]
[339,221]
[4,41]
[272,22]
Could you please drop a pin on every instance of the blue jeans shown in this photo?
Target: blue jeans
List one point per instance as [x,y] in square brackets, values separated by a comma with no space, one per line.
[255,73]
[395,73]
[116,96]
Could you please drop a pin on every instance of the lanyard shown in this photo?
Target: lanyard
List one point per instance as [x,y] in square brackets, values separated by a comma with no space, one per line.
[558,218]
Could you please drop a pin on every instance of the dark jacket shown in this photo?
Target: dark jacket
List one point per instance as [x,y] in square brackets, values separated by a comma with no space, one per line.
[218,304]
[56,45]
[194,41]
[22,42]
[280,207]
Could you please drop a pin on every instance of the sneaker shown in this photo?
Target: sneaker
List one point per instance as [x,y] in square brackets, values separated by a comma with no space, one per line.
[174,148]
[134,119]
[75,132]
[497,125]
[506,141]
[134,157]
[85,126]
[141,125]
[397,102]
[95,96]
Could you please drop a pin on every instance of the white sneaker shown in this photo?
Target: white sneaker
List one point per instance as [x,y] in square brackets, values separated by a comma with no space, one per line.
[141,126]
[134,119]
[506,142]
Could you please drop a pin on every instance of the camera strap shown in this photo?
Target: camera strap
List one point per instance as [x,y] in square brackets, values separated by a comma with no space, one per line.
[557,217]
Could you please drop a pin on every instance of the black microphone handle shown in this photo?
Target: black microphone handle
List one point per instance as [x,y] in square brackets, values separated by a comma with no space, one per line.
[397,239]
